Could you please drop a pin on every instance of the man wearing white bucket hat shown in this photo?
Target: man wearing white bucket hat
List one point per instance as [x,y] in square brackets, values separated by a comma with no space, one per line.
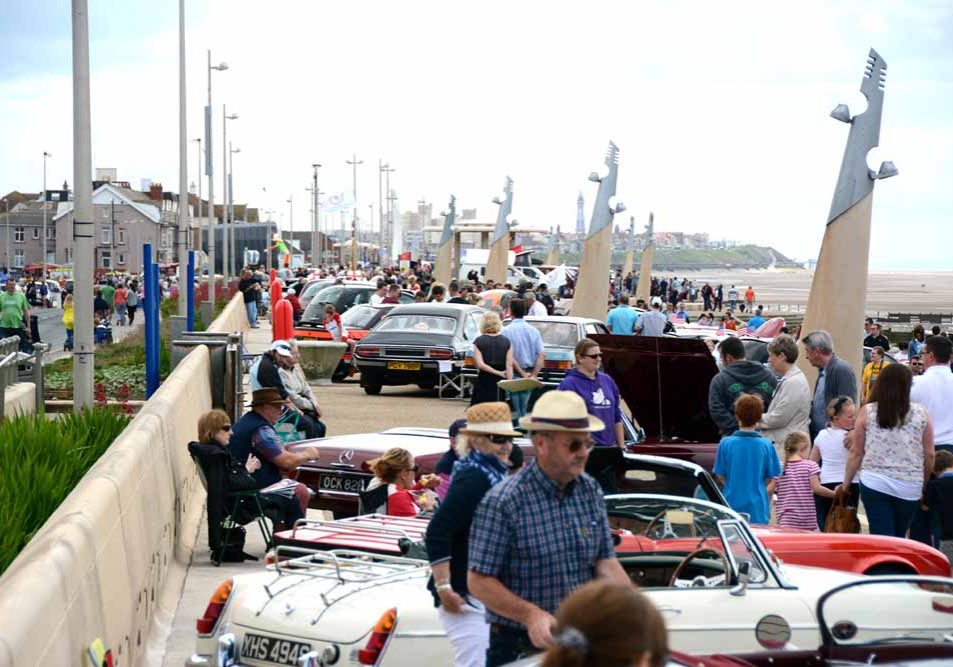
[552,516]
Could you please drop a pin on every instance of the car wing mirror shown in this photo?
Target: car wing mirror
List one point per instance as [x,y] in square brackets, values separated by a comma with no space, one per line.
[744,576]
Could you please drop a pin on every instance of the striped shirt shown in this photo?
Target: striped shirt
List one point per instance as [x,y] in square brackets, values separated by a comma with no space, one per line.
[539,541]
[795,497]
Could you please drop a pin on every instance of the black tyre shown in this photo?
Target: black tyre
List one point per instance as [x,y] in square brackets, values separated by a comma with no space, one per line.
[372,389]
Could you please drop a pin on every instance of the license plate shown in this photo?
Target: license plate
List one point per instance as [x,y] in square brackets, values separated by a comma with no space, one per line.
[332,482]
[403,365]
[272,649]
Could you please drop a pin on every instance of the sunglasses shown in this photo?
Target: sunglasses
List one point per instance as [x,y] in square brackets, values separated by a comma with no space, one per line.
[227,427]
[415,469]
[593,356]
[576,445]
[500,439]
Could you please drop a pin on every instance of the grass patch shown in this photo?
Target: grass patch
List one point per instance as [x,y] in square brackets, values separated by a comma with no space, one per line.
[123,364]
[40,463]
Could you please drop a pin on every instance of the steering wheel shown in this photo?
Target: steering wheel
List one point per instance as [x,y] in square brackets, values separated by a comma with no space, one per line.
[700,581]
[667,532]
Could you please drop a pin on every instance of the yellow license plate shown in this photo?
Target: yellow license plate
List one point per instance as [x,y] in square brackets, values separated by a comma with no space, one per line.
[403,365]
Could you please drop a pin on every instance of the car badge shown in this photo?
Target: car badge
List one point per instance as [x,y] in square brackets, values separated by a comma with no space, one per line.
[346,456]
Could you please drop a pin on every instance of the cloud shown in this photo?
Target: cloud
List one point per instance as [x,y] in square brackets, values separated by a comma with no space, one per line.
[720,111]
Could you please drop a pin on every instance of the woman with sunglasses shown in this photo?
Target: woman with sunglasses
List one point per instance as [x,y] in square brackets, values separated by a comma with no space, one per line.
[601,395]
[405,495]
[484,446]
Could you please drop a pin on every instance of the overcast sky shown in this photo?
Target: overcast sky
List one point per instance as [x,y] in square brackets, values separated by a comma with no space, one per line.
[720,110]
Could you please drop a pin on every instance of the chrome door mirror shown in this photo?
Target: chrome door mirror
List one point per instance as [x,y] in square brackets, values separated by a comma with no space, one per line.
[744,576]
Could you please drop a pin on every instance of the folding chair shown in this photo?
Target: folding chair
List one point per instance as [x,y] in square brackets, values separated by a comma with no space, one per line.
[373,501]
[236,508]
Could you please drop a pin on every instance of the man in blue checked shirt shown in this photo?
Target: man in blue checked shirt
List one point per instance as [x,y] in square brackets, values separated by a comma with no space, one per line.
[554,517]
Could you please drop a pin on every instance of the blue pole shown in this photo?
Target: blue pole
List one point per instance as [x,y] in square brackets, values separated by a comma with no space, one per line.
[190,280]
[152,345]
[156,304]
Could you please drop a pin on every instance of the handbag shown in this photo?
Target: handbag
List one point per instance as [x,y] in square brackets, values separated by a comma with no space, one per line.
[842,518]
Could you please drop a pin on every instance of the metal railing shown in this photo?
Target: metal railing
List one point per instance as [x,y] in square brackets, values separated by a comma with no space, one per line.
[16,366]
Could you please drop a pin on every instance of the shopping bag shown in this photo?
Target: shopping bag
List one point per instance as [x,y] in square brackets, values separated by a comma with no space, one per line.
[842,518]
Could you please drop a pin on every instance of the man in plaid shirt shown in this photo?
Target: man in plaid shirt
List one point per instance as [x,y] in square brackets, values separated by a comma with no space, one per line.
[542,533]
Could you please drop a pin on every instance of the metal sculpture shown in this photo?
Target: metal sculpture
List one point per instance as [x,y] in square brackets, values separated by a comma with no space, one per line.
[498,260]
[442,267]
[838,294]
[644,289]
[629,248]
[591,297]
[553,257]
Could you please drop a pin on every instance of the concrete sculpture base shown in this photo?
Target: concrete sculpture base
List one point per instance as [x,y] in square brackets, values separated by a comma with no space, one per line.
[498,261]
[839,288]
[319,358]
[441,271]
[592,288]
[644,289]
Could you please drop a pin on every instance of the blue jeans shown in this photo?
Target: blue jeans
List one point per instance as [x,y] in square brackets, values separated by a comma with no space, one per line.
[251,309]
[520,401]
[886,514]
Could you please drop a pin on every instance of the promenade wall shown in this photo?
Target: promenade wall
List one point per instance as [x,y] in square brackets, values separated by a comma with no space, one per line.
[111,561]
[19,399]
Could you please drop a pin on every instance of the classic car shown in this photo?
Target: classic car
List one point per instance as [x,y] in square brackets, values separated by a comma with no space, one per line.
[498,300]
[664,381]
[358,321]
[853,631]
[343,297]
[861,554]
[714,594]
[560,335]
[416,343]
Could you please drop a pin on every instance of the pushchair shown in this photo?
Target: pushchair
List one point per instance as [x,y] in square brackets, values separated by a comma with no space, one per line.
[103,332]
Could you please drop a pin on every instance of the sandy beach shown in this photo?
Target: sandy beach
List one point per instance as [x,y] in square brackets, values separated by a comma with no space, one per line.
[908,292]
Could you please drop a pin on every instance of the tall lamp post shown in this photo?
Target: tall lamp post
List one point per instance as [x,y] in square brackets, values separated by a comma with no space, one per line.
[43,252]
[315,231]
[226,243]
[183,229]
[354,162]
[387,171]
[199,212]
[209,163]
[291,230]
[232,251]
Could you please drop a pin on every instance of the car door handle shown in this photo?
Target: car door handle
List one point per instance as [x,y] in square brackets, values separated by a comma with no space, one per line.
[669,610]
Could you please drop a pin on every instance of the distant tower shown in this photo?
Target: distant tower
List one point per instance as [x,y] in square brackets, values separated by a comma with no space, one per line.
[580,217]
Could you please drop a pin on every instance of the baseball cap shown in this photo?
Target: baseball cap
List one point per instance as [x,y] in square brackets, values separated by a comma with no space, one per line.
[282,348]
[455,427]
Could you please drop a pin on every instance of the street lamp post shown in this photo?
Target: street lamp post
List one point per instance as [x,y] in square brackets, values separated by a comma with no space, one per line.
[42,252]
[226,243]
[183,230]
[354,162]
[199,213]
[315,231]
[209,164]
[390,219]
[291,230]
[232,250]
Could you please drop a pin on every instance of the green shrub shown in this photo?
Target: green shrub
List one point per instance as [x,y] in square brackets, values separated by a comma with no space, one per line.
[40,462]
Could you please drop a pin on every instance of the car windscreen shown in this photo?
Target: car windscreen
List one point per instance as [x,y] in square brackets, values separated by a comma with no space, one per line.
[418,324]
[359,317]
[328,294]
[557,334]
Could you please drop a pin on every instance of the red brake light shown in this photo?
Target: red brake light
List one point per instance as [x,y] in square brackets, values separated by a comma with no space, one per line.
[371,653]
[216,603]
[366,351]
[440,354]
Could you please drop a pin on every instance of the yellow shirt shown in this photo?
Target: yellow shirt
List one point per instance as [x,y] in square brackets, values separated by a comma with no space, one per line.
[68,317]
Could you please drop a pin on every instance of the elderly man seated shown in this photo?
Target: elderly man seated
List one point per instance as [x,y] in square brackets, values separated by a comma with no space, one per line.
[265,373]
[255,434]
[299,391]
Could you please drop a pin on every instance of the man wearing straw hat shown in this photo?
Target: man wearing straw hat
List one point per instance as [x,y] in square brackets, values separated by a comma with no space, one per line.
[540,534]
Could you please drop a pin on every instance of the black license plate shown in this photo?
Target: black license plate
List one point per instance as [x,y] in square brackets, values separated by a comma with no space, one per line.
[272,649]
[337,482]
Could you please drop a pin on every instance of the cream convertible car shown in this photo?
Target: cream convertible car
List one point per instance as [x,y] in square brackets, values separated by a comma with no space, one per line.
[713,581]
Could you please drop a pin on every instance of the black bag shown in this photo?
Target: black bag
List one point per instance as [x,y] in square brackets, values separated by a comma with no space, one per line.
[234,551]
[239,479]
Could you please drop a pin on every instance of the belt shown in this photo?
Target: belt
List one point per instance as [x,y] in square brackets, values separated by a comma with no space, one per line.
[500,629]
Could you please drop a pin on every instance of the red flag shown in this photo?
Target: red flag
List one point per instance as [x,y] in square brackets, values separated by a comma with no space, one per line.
[517,249]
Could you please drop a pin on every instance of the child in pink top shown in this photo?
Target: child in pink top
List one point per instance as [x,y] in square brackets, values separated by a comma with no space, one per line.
[796,485]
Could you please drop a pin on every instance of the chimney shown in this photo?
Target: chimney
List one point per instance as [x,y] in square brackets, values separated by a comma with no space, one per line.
[155,192]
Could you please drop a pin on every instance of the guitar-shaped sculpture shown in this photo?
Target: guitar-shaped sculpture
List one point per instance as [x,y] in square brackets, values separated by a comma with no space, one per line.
[500,243]
[838,294]
[592,287]
[443,267]
[644,289]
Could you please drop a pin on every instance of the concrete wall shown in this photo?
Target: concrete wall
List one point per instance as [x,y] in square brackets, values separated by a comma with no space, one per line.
[19,399]
[111,561]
